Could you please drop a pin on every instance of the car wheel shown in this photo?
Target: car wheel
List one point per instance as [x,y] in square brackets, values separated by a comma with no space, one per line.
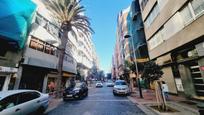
[114,94]
[86,94]
[128,94]
[79,97]
[64,99]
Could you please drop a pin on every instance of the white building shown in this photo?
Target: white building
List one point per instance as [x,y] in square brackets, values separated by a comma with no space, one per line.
[41,54]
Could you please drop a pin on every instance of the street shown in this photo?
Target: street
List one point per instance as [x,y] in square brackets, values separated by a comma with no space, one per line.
[100,101]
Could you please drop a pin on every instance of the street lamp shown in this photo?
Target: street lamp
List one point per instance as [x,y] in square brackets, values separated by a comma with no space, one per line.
[136,66]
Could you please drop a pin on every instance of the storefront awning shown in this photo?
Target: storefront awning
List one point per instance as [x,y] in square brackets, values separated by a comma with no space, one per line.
[66,74]
[15,19]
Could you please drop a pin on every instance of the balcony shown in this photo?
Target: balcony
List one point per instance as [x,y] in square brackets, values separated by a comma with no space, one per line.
[41,54]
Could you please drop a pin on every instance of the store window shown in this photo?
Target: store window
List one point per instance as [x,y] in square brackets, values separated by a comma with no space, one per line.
[42,46]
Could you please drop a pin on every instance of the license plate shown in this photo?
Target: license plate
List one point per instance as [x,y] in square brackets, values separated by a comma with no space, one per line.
[121,92]
[69,95]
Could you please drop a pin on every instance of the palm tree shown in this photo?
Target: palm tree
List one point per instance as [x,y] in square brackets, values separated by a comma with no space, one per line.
[69,14]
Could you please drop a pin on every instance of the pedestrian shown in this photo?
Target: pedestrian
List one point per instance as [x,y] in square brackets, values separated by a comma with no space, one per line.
[165,90]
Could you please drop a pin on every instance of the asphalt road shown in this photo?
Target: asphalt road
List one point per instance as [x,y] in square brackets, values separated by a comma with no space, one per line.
[100,101]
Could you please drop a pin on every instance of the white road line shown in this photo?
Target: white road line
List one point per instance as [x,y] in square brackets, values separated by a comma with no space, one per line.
[106,100]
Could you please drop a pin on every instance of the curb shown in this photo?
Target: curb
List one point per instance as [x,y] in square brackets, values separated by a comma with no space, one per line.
[147,110]
[144,108]
[58,102]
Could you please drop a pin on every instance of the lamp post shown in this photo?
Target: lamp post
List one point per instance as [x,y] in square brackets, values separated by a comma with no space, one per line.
[136,66]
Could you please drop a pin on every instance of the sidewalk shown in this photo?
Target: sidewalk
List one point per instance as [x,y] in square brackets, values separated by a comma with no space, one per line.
[184,106]
[53,103]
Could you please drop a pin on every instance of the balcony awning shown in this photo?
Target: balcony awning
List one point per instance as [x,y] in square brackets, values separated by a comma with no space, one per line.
[15,19]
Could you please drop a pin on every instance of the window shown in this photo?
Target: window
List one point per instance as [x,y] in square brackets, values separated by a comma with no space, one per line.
[198,6]
[143,4]
[172,26]
[152,15]
[186,15]
[28,96]
[42,46]
[162,3]
[156,40]
[120,83]
[8,102]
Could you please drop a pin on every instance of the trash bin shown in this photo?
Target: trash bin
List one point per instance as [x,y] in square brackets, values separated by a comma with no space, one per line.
[200,107]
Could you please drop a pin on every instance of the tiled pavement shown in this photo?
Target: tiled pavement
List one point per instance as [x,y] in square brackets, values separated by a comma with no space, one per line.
[149,98]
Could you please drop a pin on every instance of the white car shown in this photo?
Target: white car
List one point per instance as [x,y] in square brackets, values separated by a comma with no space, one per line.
[22,102]
[110,84]
[121,87]
[99,84]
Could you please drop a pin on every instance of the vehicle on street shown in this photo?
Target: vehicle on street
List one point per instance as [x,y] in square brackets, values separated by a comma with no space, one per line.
[23,102]
[121,88]
[110,83]
[78,91]
[99,84]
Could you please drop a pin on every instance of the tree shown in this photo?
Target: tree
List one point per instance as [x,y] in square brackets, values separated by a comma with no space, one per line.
[69,14]
[153,72]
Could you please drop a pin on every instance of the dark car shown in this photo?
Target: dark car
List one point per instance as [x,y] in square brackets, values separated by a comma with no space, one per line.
[78,91]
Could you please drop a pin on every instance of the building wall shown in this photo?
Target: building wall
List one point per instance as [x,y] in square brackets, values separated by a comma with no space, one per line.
[173,27]
[169,28]
[169,79]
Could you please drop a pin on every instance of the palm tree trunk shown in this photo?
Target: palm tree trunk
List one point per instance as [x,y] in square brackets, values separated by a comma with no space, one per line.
[61,60]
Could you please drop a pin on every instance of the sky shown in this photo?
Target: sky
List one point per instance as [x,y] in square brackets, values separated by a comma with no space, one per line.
[103,17]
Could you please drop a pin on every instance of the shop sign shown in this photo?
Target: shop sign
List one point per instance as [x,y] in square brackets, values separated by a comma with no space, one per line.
[8,69]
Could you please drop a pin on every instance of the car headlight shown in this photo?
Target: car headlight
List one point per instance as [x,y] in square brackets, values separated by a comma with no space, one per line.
[115,88]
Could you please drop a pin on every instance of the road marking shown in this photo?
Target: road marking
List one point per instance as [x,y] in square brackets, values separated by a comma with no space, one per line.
[106,100]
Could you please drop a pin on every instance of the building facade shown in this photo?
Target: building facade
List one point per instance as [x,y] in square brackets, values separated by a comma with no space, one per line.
[39,66]
[15,24]
[174,35]
[130,39]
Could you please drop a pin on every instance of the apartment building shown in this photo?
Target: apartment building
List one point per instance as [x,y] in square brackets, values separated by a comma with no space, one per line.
[174,33]
[15,22]
[39,65]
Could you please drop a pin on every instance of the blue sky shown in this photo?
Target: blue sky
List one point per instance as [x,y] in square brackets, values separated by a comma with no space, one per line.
[103,14]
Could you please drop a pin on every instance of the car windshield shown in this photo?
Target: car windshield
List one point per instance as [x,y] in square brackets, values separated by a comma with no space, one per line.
[120,83]
[78,85]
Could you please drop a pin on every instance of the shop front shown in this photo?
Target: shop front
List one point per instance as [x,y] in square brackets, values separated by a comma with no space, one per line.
[7,78]
[190,63]
[67,79]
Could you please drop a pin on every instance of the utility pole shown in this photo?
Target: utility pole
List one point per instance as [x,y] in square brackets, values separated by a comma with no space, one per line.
[136,67]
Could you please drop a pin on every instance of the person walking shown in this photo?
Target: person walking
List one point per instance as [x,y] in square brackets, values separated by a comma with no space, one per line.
[165,90]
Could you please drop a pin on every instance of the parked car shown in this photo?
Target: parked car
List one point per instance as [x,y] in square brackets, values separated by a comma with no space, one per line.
[23,102]
[121,87]
[78,91]
[99,84]
[110,83]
